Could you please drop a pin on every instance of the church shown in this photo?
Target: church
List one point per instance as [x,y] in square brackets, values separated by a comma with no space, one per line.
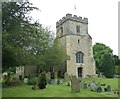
[72,32]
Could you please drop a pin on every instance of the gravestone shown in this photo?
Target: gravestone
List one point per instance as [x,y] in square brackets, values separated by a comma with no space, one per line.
[37,81]
[92,86]
[55,77]
[66,77]
[85,86]
[108,88]
[50,81]
[25,80]
[81,84]
[98,85]
[58,82]
[99,89]
[93,82]
[74,84]
[48,77]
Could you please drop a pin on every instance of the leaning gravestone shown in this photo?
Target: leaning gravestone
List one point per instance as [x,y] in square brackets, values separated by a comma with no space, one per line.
[74,84]
[99,89]
[108,88]
[85,86]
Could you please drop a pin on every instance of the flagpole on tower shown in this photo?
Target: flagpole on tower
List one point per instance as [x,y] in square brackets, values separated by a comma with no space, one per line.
[74,8]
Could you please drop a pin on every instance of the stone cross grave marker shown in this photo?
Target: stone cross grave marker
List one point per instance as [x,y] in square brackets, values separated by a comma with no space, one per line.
[108,88]
[74,84]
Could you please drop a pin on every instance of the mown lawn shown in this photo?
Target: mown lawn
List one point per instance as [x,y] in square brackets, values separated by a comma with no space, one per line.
[59,90]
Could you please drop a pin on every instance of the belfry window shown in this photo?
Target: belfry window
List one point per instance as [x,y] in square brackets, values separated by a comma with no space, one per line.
[78,29]
[79,57]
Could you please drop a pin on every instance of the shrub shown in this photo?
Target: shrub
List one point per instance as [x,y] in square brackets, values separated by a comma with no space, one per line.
[42,81]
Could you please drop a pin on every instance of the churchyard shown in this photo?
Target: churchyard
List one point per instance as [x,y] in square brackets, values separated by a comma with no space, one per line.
[34,59]
[69,86]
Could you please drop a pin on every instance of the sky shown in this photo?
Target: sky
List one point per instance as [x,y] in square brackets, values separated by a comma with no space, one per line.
[102,17]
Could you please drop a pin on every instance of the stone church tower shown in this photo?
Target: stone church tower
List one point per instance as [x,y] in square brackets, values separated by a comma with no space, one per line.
[72,31]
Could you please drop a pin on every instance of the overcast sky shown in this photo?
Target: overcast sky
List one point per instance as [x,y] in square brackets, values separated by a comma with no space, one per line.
[102,17]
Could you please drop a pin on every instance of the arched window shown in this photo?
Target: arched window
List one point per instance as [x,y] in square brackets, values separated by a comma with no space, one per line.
[79,57]
[78,41]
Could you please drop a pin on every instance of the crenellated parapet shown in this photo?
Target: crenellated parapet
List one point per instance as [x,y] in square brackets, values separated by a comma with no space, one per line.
[74,18]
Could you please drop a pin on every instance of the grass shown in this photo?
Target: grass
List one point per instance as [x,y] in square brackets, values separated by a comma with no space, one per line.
[59,90]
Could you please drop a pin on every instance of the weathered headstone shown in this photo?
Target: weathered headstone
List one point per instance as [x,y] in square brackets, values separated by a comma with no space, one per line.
[108,88]
[50,81]
[93,82]
[85,86]
[55,77]
[66,77]
[37,81]
[98,85]
[92,86]
[74,84]
[81,84]
[48,75]
[25,80]
[99,89]
[58,82]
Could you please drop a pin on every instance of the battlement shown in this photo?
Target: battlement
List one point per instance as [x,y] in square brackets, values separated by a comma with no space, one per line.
[73,18]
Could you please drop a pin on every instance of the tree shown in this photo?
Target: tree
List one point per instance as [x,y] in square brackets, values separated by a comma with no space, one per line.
[23,42]
[99,50]
[55,55]
[16,28]
[108,65]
